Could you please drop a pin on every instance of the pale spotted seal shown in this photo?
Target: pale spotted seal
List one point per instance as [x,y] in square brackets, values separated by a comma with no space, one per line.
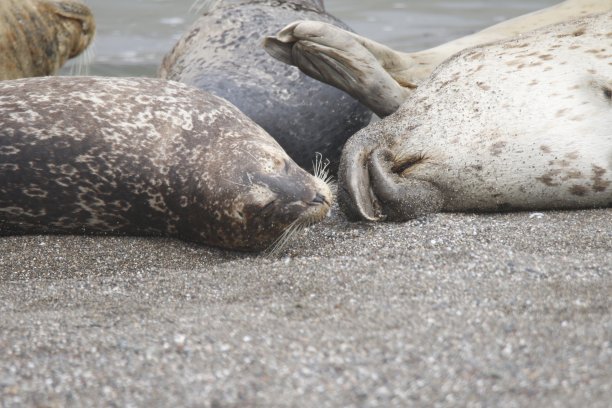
[38,36]
[516,125]
[145,157]
[222,53]
[382,78]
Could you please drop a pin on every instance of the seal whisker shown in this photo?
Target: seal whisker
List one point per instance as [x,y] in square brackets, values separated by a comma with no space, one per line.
[236,183]
[81,64]
[321,168]
[321,171]
[277,246]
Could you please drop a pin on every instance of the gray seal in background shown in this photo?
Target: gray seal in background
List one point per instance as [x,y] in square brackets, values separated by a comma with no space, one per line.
[141,156]
[222,53]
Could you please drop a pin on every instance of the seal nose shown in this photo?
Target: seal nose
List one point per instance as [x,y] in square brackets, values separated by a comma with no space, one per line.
[319,199]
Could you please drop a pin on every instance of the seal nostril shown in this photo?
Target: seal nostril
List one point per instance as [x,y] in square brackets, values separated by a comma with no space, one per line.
[319,199]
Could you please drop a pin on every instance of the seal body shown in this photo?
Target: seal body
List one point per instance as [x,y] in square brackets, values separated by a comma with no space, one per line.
[144,157]
[222,53]
[382,78]
[517,125]
[38,36]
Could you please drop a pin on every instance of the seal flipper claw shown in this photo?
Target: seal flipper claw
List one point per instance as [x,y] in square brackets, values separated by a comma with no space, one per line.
[278,49]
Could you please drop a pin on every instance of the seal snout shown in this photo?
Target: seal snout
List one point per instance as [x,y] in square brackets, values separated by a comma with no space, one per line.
[319,199]
[374,190]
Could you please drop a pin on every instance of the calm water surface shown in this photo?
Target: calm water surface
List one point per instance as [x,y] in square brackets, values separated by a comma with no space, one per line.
[134,35]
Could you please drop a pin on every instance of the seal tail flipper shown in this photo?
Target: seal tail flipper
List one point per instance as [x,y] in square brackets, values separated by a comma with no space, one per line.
[344,60]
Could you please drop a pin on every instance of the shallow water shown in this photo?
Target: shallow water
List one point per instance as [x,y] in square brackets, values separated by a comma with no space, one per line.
[134,35]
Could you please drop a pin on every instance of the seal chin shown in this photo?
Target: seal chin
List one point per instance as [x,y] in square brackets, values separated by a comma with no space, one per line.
[313,206]
[376,188]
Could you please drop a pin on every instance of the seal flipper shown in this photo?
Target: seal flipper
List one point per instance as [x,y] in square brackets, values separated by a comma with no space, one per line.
[347,61]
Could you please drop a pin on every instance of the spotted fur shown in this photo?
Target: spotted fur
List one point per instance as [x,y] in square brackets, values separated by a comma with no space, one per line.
[222,53]
[516,125]
[144,157]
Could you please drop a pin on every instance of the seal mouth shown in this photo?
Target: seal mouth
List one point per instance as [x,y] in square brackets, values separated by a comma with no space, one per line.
[311,212]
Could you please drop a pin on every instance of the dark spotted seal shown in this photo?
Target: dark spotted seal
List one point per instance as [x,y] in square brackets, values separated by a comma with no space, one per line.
[382,78]
[222,53]
[38,36]
[517,125]
[145,157]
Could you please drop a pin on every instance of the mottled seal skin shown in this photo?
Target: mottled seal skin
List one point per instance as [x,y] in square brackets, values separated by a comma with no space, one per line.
[222,53]
[145,157]
[382,78]
[517,125]
[38,36]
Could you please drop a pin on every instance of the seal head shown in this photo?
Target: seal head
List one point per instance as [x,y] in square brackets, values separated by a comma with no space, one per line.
[517,125]
[38,36]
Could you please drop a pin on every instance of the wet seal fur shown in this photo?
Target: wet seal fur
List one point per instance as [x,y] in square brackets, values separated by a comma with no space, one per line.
[38,36]
[522,124]
[145,157]
[222,53]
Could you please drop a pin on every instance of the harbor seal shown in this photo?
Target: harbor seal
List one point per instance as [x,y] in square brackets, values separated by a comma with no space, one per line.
[144,156]
[38,36]
[382,78]
[522,124]
[222,53]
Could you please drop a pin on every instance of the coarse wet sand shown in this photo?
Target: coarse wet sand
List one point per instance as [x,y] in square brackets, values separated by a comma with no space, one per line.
[507,310]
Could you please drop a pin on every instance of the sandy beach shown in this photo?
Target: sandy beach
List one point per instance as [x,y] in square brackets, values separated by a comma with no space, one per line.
[449,310]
